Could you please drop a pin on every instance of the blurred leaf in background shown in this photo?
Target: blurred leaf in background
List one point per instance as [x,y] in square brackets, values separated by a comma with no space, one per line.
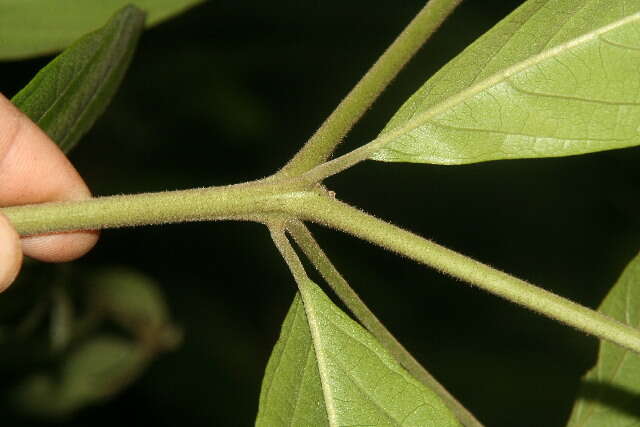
[34,27]
[120,324]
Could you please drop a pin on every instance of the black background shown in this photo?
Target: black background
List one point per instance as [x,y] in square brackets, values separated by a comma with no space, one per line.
[228,92]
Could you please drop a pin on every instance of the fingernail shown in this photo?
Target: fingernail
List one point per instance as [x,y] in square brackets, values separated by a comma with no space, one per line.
[10,253]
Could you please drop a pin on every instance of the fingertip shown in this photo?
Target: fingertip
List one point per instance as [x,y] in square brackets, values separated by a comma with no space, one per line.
[34,170]
[10,253]
[59,247]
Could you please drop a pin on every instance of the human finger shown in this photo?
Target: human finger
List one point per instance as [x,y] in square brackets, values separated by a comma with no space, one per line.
[10,253]
[34,170]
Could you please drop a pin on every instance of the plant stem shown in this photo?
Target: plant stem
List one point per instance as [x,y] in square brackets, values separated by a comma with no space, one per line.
[288,253]
[243,201]
[302,281]
[362,96]
[261,199]
[344,162]
[364,152]
[350,298]
[332,213]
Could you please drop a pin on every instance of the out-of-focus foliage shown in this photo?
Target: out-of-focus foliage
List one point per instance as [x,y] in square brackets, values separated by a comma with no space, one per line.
[115,323]
[34,27]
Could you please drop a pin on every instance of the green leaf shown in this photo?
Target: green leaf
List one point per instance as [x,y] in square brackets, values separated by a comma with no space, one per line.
[554,78]
[135,302]
[326,370]
[95,371]
[67,96]
[35,27]
[129,297]
[610,391]
[101,367]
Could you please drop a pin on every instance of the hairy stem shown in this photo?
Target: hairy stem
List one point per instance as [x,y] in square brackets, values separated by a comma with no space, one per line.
[302,281]
[332,213]
[243,201]
[288,253]
[261,199]
[364,152]
[350,298]
[362,96]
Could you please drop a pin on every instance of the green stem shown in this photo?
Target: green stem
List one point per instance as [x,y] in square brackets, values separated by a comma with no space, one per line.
[364,152]
[243,201]
[312,319]
[261,199]
[350,298]
[332,213]
[362,96]
[288,253]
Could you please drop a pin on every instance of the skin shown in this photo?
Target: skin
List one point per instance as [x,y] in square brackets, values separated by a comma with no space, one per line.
[34,170]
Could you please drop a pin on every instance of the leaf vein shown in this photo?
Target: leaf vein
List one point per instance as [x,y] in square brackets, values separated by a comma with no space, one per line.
[569,97]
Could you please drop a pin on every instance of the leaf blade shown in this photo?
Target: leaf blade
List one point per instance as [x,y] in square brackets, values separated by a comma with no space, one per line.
[531,97]
[353,380]
[67,96]
[276,387]
[610,391]
[31,27]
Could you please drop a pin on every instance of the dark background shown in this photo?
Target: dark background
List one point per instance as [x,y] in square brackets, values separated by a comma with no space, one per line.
[228,92]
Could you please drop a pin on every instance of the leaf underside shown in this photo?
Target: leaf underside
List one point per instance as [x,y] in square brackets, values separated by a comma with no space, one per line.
[35,27]
[326,370]
[67,96]
[610,391]
[554,78]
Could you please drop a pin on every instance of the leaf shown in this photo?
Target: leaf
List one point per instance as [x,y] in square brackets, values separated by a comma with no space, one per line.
[610,391]
[130,297]
[554,78]
[34,27]
[101,367]
[135,302]
[291,391]
[95,371]
[67,96]
[326,370]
